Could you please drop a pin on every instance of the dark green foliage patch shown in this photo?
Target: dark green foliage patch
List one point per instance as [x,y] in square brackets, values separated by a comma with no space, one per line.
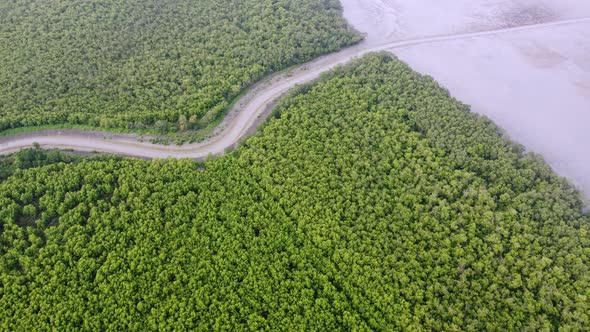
[162,65]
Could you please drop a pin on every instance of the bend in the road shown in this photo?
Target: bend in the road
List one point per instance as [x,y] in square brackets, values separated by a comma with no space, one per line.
[245,113]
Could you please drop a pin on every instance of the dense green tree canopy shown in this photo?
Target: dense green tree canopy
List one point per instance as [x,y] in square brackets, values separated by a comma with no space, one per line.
[372,200]
[150,63]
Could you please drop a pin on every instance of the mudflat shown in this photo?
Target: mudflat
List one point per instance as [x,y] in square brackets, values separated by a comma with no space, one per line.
[535,84]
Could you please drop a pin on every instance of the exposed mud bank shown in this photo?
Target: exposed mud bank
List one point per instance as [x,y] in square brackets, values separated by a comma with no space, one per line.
[534,83]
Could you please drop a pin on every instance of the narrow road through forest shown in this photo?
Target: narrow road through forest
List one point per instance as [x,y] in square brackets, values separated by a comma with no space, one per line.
[246,113]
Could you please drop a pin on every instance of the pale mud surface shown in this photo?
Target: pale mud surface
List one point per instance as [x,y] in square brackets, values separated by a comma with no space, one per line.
[387,20]
[535,84]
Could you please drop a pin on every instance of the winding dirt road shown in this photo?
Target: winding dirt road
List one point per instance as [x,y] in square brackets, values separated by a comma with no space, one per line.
[245,114]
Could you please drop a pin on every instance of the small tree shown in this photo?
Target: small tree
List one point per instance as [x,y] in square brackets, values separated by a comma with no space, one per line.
[182,122]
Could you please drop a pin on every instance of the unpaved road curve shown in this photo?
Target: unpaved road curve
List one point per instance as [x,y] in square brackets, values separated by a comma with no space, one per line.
[245,114]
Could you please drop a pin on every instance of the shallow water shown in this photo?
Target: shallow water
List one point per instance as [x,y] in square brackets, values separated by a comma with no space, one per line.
[535,84]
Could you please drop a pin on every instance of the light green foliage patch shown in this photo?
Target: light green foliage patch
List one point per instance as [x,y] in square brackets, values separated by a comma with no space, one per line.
[371,201]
